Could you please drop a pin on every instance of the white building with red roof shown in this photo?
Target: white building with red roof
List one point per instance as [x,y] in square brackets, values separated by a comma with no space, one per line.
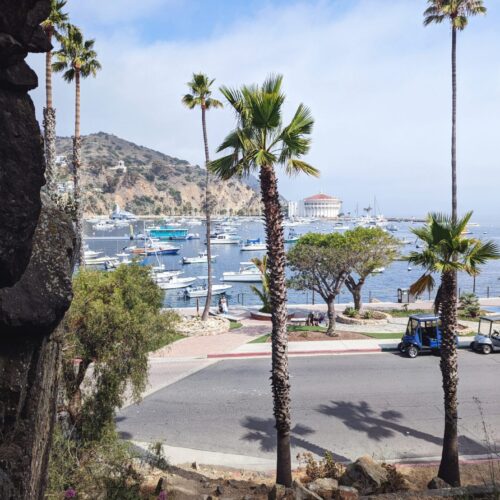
[317,206]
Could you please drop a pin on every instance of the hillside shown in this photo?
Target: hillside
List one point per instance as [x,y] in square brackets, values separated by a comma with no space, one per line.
[147,182]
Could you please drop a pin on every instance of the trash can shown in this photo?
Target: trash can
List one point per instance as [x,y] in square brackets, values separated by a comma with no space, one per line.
[405,297]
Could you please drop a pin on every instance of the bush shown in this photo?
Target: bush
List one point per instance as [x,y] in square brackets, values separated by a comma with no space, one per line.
[469,303]
[316,469]
[350,312]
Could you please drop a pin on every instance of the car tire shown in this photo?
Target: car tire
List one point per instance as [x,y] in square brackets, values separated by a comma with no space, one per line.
[486,349]
[473,345]
[412,351]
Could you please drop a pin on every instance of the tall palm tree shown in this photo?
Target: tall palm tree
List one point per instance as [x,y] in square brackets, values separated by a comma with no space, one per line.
[260,143]
[78,59]
[53,25]
[457,12]
[447,251]
[200,96]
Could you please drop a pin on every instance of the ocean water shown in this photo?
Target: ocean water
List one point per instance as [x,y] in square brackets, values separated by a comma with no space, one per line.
[382,287]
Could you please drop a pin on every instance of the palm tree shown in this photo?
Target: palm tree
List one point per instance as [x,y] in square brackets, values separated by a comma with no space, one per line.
[457,13]
[78,59]
[260,143]
[447,251]
[200,96]
[53,25]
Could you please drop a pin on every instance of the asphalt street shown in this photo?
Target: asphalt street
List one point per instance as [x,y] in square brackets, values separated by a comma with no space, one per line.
[385,405]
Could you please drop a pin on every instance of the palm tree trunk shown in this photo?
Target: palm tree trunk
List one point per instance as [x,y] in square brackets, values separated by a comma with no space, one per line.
[449,469]
[77,146]
[49,124]
[208,201]
[277,290]
[454,125]
[331,317]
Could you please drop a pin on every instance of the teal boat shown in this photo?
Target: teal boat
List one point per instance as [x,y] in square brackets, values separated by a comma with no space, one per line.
[168,233]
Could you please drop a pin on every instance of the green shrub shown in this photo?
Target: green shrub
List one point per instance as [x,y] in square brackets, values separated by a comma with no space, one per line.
[350,312]
[469,303]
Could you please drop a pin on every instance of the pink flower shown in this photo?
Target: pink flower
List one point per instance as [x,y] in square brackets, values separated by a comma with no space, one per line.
[70,493]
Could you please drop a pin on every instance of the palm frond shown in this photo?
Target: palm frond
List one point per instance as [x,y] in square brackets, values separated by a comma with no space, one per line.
[423,284]
[295,167]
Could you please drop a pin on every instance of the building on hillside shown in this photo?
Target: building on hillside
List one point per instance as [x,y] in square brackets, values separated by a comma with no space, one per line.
[318,206]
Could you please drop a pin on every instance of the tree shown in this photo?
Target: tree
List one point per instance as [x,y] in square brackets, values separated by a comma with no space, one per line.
[322,263]
[260,143]
[263,294]
[53,25]
[200,96]
[457,12]
[78,59]
[370,248]
[114,321]
[447,251]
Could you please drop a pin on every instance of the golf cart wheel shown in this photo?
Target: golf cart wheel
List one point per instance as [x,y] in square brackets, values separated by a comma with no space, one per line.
[401,347]
[486,349]
[412,351]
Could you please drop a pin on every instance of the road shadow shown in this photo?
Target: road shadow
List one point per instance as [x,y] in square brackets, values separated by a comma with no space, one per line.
[263,431]
[386,424]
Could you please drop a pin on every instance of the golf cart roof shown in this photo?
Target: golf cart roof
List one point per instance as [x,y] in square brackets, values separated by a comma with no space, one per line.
[491,317]
[425,317]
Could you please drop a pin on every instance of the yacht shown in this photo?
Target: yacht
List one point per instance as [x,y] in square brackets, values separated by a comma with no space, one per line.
[200,259]
[225,239]
[175,282]
[253,245]
[248,273]
[202,290]
[378,270]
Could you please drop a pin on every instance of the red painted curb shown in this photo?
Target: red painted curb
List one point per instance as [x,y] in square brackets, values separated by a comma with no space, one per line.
[268,354]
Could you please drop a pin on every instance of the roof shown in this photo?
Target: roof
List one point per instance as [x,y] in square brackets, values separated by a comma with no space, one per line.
[491,317]
[320,196]
[424,317]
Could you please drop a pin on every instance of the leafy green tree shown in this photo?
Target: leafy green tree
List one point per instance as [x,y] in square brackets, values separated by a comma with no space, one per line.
[469,303]
[53,25]
[264,294]
[77,59]
[447,251]
[114,321]
[260,143]
[370,248]
[201,96]
[322,263]
[457,13]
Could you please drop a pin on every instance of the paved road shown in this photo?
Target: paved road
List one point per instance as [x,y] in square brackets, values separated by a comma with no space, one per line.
[380,404]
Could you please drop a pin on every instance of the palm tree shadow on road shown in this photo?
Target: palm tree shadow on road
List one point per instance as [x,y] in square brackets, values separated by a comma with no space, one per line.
[378,426]
[262,430]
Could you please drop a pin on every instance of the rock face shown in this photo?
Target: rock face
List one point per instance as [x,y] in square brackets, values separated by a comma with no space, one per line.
[36,262]
[21,149]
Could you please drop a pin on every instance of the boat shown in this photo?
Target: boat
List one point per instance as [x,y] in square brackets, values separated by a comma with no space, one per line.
[202,290]
[175,282]
[253,245]
[119,214]
[293,237]
[225,239]
[378,270]
[200,259]
[248,273]
[392,228]
[91,254]
[168,233]
[193,236]
[156,248]
[104,226]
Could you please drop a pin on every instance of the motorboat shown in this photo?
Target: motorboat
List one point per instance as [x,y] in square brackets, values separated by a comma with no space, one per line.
[91,254]
[248,273]
[175,282]
[392,228]
[200,259]
[254,245]
[225,239]
[293,237]
[202,290]
[156,248]
[165,275]
[378,270]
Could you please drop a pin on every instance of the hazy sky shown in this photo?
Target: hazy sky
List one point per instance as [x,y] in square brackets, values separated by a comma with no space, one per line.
[378,84]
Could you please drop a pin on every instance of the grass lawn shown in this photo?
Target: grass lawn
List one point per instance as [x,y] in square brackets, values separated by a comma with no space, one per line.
[290,328]
[400,313]
[260,340]
[383,335]
[234,325]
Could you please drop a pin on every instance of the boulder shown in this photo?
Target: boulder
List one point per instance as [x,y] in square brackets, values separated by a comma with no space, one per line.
[302,493]
[436,483]
[346,493]
[365,474]
[324,487]
[280,492]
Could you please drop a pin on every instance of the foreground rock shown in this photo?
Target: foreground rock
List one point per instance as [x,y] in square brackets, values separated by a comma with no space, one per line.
[365,474]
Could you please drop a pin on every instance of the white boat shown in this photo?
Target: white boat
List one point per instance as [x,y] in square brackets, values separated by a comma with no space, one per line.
[200,259]
[104,226]
[175,282]
[202,291]
[340,227]
[254,246]
[91,254]
[225,239]
[378,270]
[165,275]
[248,273]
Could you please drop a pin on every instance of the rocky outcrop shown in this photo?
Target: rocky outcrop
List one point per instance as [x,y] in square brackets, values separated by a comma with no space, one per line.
[36,261]
[21,149]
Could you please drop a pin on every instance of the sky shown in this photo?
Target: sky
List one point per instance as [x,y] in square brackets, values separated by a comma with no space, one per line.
[377,82]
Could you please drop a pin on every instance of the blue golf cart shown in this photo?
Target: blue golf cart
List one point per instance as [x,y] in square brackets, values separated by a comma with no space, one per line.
[423,333]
